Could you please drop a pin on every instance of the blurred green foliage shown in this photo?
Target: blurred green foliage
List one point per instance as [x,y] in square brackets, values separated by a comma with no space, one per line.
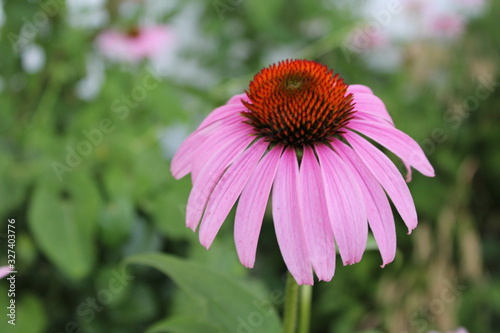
[81,209]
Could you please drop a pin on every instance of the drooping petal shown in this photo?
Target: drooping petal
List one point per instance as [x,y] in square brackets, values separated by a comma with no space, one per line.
[359,88]
[252,206]
[227,190]
[210,175]
[317,228]
[288,218]
[371,105]
[378,209]
[387,175]
[345,205]
[209,137]
[214,143]
[396,141]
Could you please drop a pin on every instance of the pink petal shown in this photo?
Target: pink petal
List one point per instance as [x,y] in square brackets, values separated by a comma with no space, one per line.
[222,112]
[359,88]
[153,41]
[209,136]
[210,175]
[220,140]
[317,228]
[227,191]
[396,141]
[378,209]
[4,271]
[370,105]
[288,219]
[252,206]
[387,175]
[237,99]
[345,205]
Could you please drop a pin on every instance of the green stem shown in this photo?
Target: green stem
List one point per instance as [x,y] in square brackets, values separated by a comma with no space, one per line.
[305,308]
[291,305]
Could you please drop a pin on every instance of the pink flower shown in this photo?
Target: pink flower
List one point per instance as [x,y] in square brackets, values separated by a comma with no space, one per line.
[448,25]
[300,130]
[4,271]
[362,39]
[136,44]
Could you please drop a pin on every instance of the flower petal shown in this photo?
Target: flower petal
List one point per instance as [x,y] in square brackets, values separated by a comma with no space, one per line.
[201,139]
[396,141]
[252,206]
[210,175]
[288,219]
[227,191]
[358,88]
[223,112]
[214,143]
[387,175]
[345,205]
[317,228]
[370,105]
[378,209]
[4,271]
[237,99]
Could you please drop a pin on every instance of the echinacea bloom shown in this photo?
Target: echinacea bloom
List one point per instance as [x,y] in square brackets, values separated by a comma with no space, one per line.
[4,271]
[301,131]
[136,44]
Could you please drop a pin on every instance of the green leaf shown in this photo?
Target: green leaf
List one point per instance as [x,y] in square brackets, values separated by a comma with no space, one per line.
[168,208]
[62,218]
[116,222]
[144,307]
[182,325]
[228,305]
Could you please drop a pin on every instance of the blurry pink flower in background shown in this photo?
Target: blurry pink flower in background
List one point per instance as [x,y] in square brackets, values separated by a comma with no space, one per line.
[136,44]
[302,132]
[362,39]
[447,25]
[4,271]
[416,7]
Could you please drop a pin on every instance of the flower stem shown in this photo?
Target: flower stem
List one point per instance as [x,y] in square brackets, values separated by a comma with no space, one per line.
[291,305]
[305,308]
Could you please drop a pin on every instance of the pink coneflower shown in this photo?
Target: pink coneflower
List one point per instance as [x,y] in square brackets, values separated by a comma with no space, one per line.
[4,271]
[300,130]
[136,44]
[448,25]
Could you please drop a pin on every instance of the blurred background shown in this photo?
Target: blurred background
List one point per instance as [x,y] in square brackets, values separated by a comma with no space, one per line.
[96,96]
